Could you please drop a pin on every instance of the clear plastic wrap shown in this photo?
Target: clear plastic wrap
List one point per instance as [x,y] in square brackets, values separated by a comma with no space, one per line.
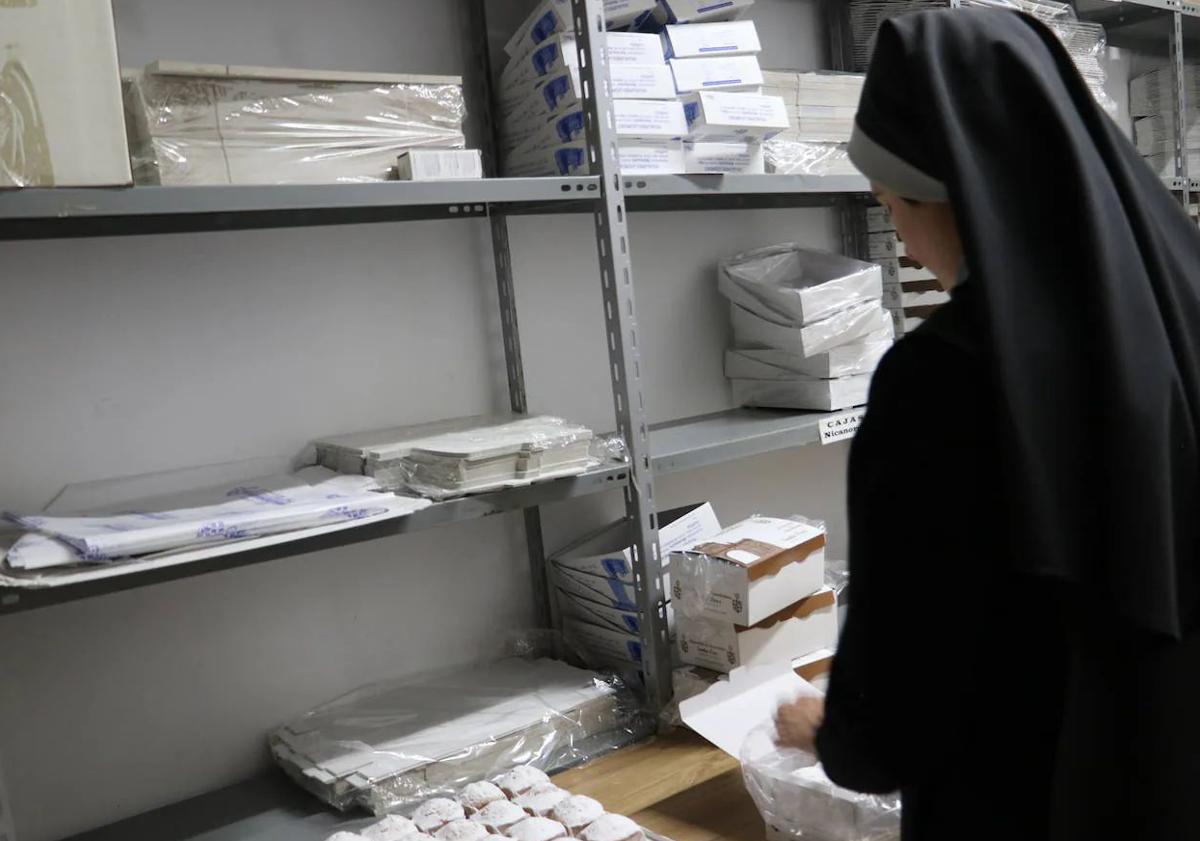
[388,747]
[791,284]
[861,357]
[218,125]
[849,325]
[805,394]
[798,801]
[789,156]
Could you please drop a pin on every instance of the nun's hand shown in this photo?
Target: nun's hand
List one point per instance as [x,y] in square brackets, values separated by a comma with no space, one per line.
[796,723]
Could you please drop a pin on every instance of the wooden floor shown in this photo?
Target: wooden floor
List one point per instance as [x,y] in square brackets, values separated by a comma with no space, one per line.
[679,786]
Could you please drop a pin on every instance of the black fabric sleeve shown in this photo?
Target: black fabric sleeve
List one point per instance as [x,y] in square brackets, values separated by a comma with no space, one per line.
[920,503]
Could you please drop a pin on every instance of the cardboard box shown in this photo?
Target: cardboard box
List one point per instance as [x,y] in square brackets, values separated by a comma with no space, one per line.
[63,122]
[439,165]
[606,552]
[804,627]
[628,13]
[896,297]
[635,119]
[745,116]
[849,325]
[640,156]
[816,667]
[604,646]
[700,11]
[827,88]
[708,39]
[751,570]
[731,73]
[548,18]
[615,619]
[564,91]
[559,54]
[860,357]
[596,588]
[818,395]
[744,157]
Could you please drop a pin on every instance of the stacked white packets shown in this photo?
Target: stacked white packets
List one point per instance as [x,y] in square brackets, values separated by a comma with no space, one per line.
[911,292]
[1150,104]
[821,107]
[809,327]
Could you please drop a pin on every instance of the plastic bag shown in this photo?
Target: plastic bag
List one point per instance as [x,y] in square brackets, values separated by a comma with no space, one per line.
[849,325]
[391,746]
[798,801]
[788,156]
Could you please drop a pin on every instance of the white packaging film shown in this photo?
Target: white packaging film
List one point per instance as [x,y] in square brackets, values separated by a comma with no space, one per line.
[439,165]
[700,11]
[723,158]
[743,116]
[848,325]
[751,570]
[860,357]
[795,157]
[697,40]
[824,395]
[730,73]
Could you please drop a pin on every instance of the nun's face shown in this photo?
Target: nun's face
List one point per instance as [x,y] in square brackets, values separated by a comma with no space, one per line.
[929,233]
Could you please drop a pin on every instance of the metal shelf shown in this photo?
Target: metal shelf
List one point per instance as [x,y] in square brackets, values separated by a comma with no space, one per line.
[722,192]
[64,212]
[713,439]
[117,578]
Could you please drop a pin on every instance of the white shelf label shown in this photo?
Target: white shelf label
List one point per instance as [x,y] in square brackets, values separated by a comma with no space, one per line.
[840,427]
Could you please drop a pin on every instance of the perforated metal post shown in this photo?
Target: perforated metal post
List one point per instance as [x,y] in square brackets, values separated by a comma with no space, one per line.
[475,11]
[1179,107]
[624,353]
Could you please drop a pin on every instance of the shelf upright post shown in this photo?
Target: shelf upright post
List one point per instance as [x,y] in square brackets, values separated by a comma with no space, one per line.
[1179,84]
[475,13]
[624,352]
[851,211]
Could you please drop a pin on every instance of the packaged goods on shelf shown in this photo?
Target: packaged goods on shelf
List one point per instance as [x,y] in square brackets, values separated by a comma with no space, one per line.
[885,246]
[606,552]
[238,510]
[215,124]
[390,746]
[1152,94]
[815,87]
[634,119]
[736,157]
[860,357]
[799,629]
[560,53]
[641,156]
[793,157]
[564,92]
[1156,135]
[602,645]
[61,120]
[746,116]
[439,165]
[797,285]
[729,73]
[602,589]
[463,455]
[628,13]
[707,39]
[811,394]
[798,801]
[699,11]
[849,325]
[751,570]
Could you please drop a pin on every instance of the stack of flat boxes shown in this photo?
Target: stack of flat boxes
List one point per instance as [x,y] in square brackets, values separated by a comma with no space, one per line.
[821,108]
[1150,104]
[753,595]
[911,292]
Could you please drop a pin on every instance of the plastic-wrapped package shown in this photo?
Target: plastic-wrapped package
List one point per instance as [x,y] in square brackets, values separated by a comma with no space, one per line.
[212,124]
[798,801]
[848,325]
[797,285]
[388,747]
[861,357]
[789,156]
[806,394]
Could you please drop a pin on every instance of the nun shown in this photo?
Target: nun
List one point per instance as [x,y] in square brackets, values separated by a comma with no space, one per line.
[1021,657]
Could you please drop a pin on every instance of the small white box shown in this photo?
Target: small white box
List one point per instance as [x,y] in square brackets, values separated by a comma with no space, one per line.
[740,157]
[603,645]
[751,570]
[817,395]
[860,357]
[548,19]
[799,629]
[739,72]
[606,552]
[745,116]
[631,13]
[563,92]
[62,87]
[439,165]
[828,88]
[850,325]
[700,11]
[711,39]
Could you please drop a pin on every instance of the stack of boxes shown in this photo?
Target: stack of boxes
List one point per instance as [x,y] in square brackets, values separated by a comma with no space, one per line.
[754,594]
[809,328]
[821,107]
[1150,104]
[911,292]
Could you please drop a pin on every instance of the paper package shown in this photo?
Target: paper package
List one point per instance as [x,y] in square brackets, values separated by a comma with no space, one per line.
[733,73]
[697,40]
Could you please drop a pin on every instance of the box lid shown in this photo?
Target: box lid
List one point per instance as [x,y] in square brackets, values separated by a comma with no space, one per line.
[765,545]
[800,610]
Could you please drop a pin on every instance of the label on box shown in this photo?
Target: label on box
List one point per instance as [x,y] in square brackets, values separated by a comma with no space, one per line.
[649,118]
[705,39]
[697,11]
[735,115]
[698,74]
[840,427]
[440,164]
[744,158]
[635,48]
[759,538]
[642,82]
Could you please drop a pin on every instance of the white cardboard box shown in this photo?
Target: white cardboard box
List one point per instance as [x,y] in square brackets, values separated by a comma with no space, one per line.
[635,119]
[740,72]
[612,618]
[631,13]
[806,394]
[697,40]
[643,156]
[439,165]
[724,158]
[768,364]
[603,645]
[606,552]
[700,11]
[849,325]
[564,91]
[559,54]
[596,588]
[62,83]
[549,18]
[799,629]
[745,116]
[751,570]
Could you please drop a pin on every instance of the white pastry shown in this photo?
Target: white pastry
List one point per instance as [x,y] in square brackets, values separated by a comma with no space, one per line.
[537,829]
[613,828]
[541,800]
[463,830]
[433,814]
[499,815]
[391,828]
[577,812]
[520,779]
[477,795]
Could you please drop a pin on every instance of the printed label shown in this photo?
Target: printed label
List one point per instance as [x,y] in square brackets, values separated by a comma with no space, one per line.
[840,427]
